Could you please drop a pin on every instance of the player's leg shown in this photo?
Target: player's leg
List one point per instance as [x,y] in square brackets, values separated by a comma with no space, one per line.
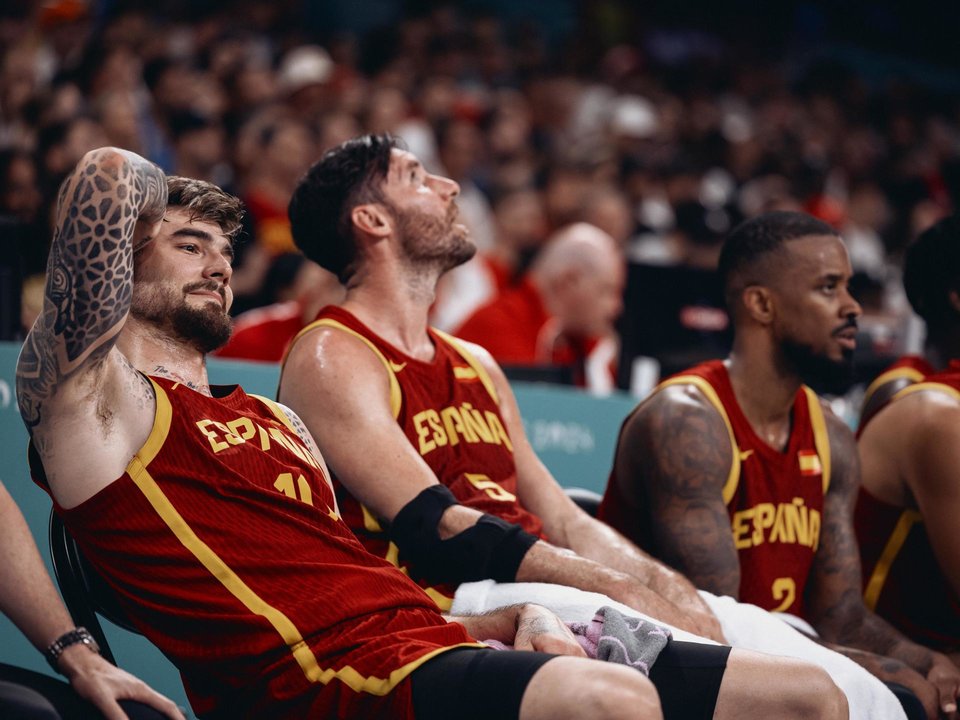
[472,684]
[575,688]
[757,685]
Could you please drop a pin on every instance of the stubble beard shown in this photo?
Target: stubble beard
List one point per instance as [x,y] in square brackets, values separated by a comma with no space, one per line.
[433,241]
[205,328]
[817,369]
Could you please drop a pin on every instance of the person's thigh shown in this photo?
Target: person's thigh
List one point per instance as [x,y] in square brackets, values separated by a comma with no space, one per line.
[578,688]
[757,686]
[474,683]
[484,684]
[688,677]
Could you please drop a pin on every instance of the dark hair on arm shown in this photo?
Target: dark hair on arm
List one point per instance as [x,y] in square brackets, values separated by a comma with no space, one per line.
[758,237]
[931,269]
[346,176]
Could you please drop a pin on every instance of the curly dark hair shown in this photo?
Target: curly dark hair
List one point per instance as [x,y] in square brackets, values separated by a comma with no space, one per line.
[346,176]
[205,201]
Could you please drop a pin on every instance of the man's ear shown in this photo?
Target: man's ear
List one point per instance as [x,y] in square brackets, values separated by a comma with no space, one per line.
[372,219]
[758,302]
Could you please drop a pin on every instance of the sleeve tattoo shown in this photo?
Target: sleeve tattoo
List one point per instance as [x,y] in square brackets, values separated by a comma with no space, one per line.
[89,282]
[676,453]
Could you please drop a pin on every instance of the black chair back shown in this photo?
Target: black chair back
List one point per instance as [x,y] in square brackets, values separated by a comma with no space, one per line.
[85,593]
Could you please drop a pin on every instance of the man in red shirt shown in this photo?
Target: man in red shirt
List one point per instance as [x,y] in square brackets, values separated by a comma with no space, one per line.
[743,445]
[910,497]
[210,512]
[563,310]
[423,433]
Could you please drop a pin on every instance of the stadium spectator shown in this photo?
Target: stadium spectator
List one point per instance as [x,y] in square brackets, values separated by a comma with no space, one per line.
[562,312]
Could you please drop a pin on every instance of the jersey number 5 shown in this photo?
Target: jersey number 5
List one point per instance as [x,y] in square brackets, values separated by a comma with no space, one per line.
[483,482]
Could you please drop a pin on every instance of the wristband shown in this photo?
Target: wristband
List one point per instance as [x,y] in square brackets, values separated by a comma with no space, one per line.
[71,637]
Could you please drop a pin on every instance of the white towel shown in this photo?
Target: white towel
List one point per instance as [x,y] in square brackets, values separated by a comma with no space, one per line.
[745,626]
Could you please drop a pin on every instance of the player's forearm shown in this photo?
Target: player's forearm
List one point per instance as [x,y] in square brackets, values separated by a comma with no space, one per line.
[589,536]
[861,629]
[547,563]
[89,271]
[97,211]
[499,624]
[27,595]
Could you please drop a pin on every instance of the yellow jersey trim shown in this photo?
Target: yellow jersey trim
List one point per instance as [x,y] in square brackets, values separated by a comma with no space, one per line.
[821,439]
[137,469]
[277,410]
[900,373]
[163,416]
[871,595]
[370,523]
[396,396]
[921,386]
[443,602]
[472,362]
[733,477]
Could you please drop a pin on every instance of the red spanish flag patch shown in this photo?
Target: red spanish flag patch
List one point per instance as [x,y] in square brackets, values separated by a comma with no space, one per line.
[809,462]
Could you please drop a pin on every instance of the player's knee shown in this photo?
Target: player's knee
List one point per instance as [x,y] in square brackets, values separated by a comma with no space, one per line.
[817,696]
[618,692]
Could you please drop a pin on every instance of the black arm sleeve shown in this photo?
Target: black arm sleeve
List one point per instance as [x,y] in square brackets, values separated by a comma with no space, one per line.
[492,548]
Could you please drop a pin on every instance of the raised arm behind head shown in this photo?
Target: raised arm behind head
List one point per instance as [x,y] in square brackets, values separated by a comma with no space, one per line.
[67,377]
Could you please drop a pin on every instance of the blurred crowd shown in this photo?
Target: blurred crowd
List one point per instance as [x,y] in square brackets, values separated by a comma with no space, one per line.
[663,137]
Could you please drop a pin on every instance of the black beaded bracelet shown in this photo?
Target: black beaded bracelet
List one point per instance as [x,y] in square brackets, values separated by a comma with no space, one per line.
[71,637]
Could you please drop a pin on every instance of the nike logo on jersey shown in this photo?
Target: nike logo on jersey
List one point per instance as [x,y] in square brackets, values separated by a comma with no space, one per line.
[745,454]
[464,373]
[395,367]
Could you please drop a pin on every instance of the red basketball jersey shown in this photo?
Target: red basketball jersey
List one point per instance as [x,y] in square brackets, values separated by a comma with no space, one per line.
[223,544]
[902,580]
[449,411]
[774,498]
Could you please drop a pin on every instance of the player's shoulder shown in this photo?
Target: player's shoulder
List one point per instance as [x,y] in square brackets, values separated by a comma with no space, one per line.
[331,350]
[683,393]
[924,406]
[674,406]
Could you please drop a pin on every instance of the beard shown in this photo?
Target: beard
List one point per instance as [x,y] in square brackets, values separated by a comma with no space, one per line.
[822,373]
[206,328]
[433,241]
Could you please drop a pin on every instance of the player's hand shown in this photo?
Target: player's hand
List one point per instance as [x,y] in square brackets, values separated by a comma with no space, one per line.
[104,685]
[891,670]
[539,629]
[945,677]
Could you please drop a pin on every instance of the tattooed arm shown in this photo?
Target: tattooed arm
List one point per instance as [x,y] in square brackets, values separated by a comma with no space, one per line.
[571,528]
[71,383]
[675,452]
[833,594]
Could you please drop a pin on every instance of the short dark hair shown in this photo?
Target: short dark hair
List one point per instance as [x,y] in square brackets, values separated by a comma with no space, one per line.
[320,207]
[931,269]
[758,239]
[205,201]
